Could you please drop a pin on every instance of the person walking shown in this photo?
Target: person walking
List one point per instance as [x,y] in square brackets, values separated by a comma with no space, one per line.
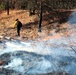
[18,25]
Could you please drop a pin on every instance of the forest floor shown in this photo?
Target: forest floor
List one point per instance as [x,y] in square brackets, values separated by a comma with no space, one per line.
[52,23]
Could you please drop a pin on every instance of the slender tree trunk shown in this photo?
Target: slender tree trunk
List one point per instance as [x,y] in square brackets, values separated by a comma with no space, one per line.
[30,12]
[40,21]
[33,11]
[7,8]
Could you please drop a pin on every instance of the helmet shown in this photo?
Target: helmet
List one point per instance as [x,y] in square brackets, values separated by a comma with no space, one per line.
[16,20]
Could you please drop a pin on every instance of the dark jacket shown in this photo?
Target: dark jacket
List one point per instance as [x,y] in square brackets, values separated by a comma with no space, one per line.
[19,25]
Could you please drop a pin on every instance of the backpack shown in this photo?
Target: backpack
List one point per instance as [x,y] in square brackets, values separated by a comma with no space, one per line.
[19,23]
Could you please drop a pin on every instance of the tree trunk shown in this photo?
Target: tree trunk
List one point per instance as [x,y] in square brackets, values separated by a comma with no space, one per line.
[7,8]
[40,21]
[30,12]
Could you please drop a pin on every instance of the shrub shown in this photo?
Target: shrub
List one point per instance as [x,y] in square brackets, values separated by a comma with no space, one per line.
[2,6]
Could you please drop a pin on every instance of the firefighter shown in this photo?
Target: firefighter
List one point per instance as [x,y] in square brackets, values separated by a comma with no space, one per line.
[18,25]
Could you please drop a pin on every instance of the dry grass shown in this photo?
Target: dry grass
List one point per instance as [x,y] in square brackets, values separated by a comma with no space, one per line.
[30,25]
[29,29]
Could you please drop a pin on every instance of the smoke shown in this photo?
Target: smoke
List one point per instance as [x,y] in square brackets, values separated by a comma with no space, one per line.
[44,56]
[15,64]
[72,18]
